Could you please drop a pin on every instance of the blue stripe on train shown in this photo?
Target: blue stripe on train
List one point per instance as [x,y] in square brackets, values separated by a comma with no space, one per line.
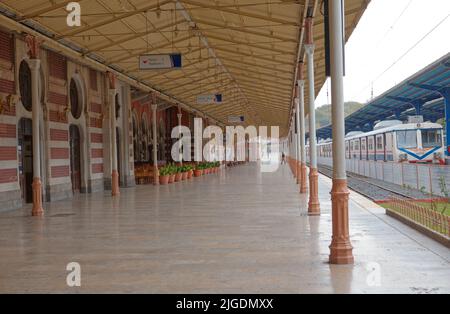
[417,156]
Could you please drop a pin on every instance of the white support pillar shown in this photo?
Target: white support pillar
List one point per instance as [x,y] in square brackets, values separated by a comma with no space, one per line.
[314,204]
[298,144]
[155,146]
[294,142]
[340,248]
[37,209]
[303,179]
[115,191]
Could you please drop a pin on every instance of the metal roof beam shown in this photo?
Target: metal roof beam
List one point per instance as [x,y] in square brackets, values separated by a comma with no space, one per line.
[113,19]
[242,13]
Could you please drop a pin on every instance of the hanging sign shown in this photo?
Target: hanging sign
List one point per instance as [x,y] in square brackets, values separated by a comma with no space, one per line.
[209,99]
[236,119]
[160,61]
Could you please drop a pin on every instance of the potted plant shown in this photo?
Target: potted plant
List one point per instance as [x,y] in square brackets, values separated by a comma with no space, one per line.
[178,174]
[217,165]
[184,172]
[172,173]
[198,170]
[190,171]
[164,175]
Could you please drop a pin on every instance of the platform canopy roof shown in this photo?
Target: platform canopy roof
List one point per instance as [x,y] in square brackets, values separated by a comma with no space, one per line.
[421,89]
[246,50]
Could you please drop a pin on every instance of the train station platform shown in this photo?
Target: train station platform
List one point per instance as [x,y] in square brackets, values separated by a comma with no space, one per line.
[240,231]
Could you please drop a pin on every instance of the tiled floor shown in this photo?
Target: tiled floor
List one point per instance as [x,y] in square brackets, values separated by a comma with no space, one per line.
[237,232]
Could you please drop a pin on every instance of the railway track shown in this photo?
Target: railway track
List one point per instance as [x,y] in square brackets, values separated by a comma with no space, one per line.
[371,189]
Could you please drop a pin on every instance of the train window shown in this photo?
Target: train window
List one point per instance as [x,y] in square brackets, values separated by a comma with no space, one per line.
[431,138]
[379,142]
[407,139]
[370,143]
[363,144]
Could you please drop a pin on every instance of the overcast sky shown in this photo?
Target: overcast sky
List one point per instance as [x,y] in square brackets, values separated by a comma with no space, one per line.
[384,35]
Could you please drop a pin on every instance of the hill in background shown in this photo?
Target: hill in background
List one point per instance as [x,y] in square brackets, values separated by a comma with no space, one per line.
[323,113]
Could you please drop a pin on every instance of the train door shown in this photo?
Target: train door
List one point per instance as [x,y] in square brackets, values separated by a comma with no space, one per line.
[347,149]
[364,148]
[360,149]
[389,148]
[380,152]
[371,151]
[25,154]
[75,158]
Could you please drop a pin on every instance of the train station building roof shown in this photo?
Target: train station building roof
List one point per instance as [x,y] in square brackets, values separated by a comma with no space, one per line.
[418,94]
[247,50]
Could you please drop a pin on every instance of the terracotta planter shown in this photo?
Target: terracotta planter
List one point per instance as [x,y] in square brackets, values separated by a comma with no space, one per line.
[172,178]
[163,180]
[208,170]
[198,173]
[178,176]
[190,174]
[184,176]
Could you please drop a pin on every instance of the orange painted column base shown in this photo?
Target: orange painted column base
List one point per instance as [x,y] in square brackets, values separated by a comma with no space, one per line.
[156,175]
[314,204]
[341,250]
[115,191]
[304,180]
[37,209]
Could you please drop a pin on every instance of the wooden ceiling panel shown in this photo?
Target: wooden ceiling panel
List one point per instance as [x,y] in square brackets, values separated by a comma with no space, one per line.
[251,55]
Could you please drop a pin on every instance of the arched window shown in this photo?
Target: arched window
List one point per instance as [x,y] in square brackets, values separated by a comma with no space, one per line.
[144,138]
[76,98]
[117,106]
[25,85]
[161,141]
[135,138]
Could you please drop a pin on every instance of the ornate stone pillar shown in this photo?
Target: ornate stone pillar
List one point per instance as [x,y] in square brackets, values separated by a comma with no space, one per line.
[298,144]
[179,116]
[341,250]
[115,190]
[155,145]
[314,204]
[303,174]
[35,65]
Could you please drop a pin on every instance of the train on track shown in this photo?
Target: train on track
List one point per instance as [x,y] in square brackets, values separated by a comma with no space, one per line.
[393,141]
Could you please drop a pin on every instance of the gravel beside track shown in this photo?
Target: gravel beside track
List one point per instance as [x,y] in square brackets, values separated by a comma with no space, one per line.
[376,190]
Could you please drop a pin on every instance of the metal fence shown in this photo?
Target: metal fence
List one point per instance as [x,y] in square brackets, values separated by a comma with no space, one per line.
[429,178]
[422,215]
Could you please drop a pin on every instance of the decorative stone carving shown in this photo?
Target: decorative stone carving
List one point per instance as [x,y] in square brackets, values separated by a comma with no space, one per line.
[33,45]
[112,80]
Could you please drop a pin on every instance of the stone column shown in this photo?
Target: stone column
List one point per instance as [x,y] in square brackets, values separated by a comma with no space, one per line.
[37,209]
[314,204]
[303,174]
[294,142]
[115,191]
[155,146]
[180,154]
[340,248]
[298,144]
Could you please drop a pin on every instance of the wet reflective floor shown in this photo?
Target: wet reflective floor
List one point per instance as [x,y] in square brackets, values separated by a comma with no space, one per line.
[240,231]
